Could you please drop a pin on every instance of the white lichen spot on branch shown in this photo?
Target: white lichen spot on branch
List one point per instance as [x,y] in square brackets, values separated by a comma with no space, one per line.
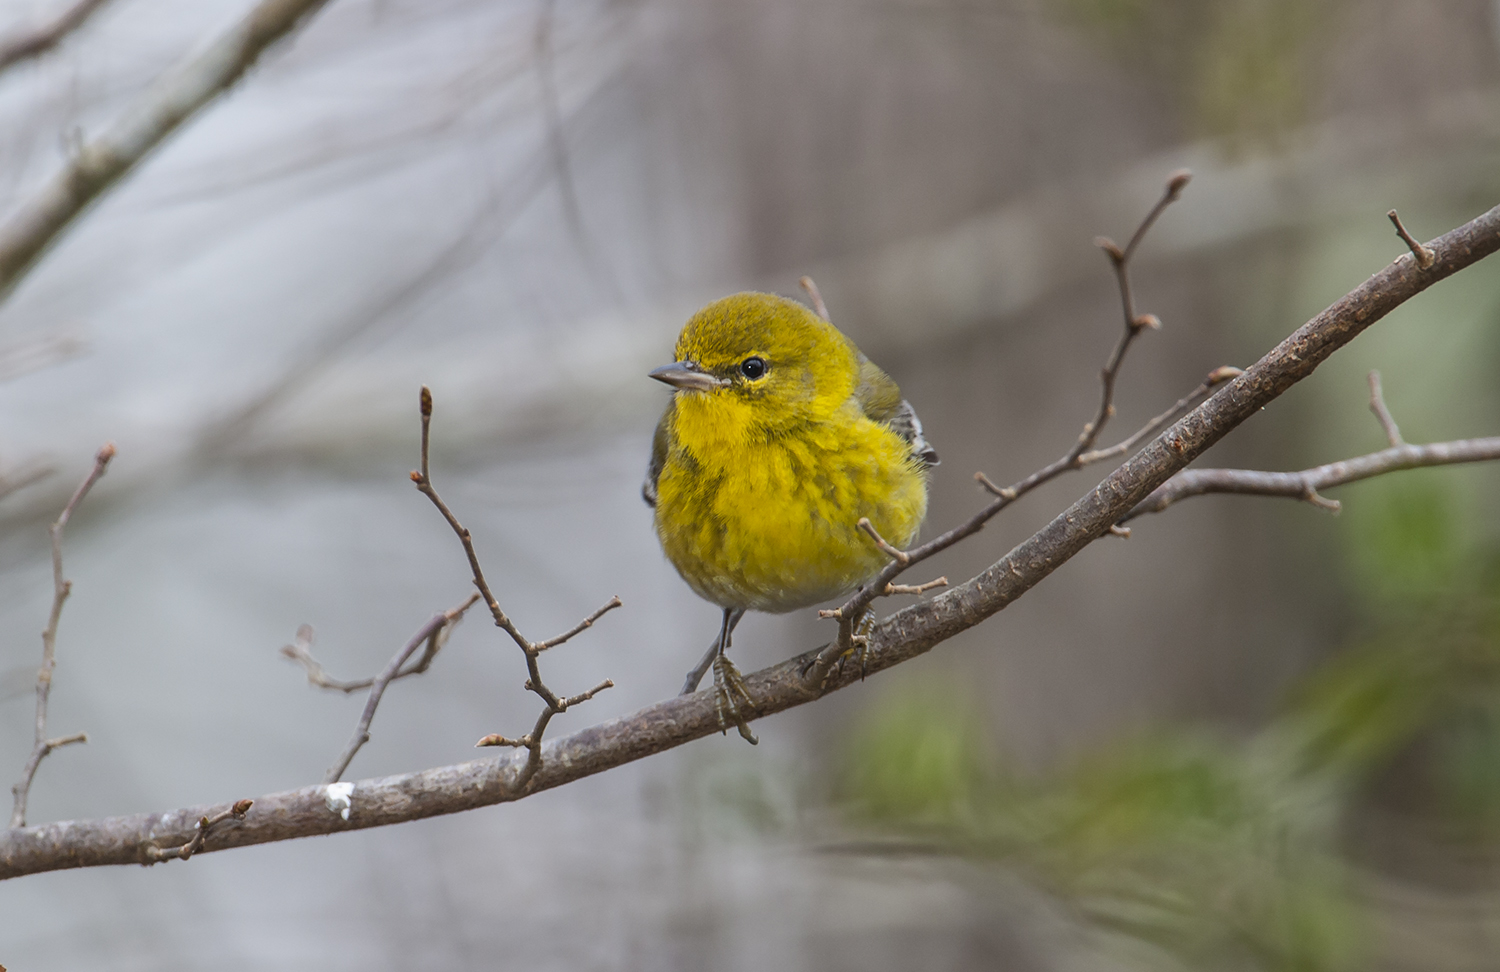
[339,798]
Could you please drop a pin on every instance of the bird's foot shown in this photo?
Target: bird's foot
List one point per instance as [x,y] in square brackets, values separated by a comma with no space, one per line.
[732,702]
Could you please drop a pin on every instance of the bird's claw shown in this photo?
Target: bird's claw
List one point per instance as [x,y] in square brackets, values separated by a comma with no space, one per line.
[732,699]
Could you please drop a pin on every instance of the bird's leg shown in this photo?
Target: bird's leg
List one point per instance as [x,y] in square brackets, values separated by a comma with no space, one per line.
[690,685]
[859,641]
[732,700]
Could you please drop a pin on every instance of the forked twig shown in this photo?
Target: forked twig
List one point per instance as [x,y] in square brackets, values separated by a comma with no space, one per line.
[300,651]
[151,854]
[554,704]
[61,588]
[432,634]
[1304,485]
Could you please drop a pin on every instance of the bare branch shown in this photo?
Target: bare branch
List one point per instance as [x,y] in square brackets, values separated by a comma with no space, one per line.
[300,651]
[1134,323]
[904,635]
[1215,378]
[61,587]
[914,588]
[99,164]
[424,483]
[817,298]
[587,622]
[433,634]
[572,700]
[555,705]
[900,556]
[1383,414]
[1304,485]
[1074,458]
[1004,492]
[25,46]
[1420,253]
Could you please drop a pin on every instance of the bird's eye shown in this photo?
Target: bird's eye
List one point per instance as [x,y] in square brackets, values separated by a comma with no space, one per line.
[753,368]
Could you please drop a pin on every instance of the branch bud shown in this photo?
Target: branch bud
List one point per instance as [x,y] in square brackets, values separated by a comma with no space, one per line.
[1176,182]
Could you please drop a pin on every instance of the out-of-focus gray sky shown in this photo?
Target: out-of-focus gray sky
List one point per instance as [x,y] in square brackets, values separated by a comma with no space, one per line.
[518,204]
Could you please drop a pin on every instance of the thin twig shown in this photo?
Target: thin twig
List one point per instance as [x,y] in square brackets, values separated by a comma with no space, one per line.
[1383,414]
[152,854]
[586,623]
[1135,323]
[554,704]
[1420,253]
[1183,405]
[817,298]
[34,43]
[61,588]
[905,635]
[900,556]
[300,651]
[915,588]
[1304,485]
[433,633]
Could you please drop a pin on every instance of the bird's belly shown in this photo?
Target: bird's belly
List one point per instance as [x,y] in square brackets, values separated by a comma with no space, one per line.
[778,531]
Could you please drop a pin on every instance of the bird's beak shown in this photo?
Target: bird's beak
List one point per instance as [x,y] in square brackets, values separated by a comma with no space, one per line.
[687,374]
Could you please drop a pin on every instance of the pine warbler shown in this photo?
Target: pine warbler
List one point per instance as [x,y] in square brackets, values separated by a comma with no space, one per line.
[779,437]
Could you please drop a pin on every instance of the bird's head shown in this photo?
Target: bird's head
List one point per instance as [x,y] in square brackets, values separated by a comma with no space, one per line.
[761,361]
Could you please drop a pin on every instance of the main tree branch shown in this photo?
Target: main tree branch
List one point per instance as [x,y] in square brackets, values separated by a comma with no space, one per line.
[904,635]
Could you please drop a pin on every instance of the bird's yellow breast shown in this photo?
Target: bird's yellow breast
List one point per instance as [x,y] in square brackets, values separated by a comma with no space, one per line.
[766,518]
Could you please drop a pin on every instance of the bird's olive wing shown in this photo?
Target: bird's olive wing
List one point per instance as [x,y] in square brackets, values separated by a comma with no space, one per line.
[658,458]
[880,399]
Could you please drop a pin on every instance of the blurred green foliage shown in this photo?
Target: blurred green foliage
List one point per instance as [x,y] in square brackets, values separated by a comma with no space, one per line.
[1232,853]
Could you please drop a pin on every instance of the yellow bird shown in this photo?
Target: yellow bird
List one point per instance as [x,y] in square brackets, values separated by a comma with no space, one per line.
[779,437]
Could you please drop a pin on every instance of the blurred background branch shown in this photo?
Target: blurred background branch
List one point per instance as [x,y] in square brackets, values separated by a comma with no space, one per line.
[24,45]
[98,164]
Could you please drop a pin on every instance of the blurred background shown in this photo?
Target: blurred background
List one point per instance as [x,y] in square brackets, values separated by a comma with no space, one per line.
[1253,736]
